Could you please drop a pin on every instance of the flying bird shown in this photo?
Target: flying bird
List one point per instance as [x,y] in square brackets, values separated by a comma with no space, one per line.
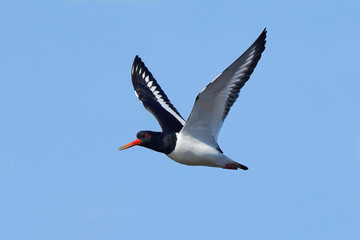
[194,142]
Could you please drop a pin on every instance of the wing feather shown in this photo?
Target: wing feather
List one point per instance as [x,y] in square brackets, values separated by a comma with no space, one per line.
[154,99]
[213,104]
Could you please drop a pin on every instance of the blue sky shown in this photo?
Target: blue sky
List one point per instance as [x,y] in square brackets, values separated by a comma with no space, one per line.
[67,104]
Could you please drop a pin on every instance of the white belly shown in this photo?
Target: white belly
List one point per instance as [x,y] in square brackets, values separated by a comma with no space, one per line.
[191,151]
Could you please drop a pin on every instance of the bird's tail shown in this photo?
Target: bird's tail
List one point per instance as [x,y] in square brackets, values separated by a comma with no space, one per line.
[235,165]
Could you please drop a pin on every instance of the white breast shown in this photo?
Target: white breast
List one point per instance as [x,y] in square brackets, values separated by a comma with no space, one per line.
[191,151]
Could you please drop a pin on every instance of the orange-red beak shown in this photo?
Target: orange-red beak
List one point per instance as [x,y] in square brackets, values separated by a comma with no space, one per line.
[129,145]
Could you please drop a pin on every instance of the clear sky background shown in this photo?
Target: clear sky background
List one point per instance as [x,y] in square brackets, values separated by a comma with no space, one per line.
[67,104]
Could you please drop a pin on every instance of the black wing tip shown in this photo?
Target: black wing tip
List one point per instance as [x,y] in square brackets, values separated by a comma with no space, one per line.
[259,45]
[261,40]
[137,60]
[264,32]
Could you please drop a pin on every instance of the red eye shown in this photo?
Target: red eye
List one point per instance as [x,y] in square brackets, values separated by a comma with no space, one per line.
[146,135]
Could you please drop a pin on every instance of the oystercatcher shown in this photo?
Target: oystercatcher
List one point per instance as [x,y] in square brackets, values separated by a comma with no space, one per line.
[194,142]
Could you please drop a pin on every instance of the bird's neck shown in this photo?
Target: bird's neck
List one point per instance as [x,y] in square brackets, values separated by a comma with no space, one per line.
[164,142]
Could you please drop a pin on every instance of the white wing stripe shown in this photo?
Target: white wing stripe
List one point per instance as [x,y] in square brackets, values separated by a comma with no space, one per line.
[147,78]
[165,106]
[159,98]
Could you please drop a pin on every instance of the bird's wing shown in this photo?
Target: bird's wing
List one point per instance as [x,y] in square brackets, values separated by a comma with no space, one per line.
[213,103]
[154,99]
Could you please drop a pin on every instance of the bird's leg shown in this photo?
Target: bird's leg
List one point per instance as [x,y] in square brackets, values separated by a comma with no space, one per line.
[231,166]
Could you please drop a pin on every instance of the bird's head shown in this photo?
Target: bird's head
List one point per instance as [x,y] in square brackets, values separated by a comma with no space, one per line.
[144,139]
[156,141]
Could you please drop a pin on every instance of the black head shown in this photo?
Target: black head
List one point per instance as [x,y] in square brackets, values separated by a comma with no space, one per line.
[147,138]
[157,141]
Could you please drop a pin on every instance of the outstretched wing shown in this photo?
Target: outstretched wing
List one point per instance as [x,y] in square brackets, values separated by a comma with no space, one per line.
[213,104]
[154,99]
